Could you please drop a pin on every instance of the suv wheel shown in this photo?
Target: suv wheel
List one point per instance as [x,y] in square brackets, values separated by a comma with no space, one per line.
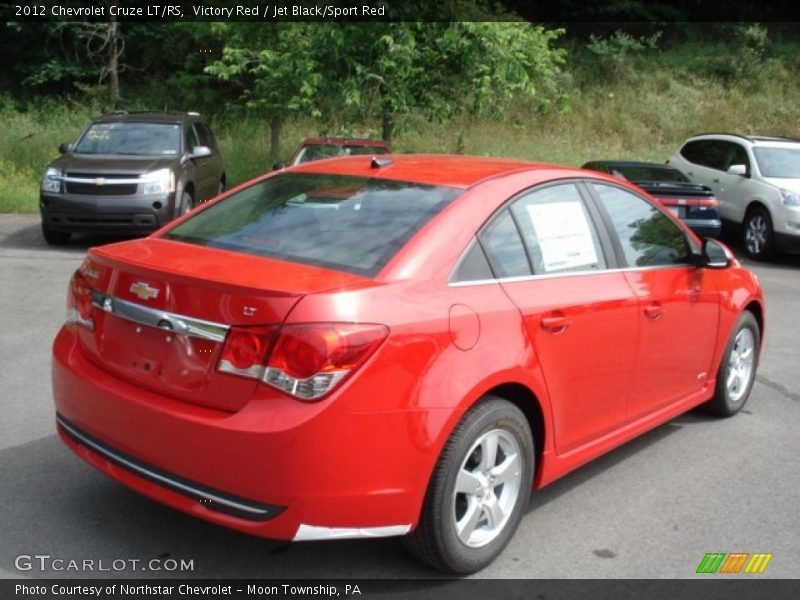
[479,490]
[54,238]
[186,204]
[757,234]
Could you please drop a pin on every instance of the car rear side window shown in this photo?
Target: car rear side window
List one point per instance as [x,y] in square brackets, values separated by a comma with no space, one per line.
[647,236]
[503,246]
[707,153]
[353,224]
[558,231]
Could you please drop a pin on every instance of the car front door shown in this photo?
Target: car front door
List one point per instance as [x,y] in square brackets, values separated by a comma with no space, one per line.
[209,168]
[580,317]
[678,302]
[737,188]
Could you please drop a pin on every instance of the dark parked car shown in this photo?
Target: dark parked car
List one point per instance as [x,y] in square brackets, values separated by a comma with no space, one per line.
[130,173]
[692,203]
[318,148]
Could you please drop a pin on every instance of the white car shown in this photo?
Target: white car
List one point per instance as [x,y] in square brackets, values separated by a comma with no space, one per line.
[757,182]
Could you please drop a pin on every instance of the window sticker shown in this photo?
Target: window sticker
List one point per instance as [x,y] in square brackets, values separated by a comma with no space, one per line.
[564,234]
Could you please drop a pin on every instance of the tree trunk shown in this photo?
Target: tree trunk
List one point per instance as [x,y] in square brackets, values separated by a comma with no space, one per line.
[387,126]
[275,127]
[113,61]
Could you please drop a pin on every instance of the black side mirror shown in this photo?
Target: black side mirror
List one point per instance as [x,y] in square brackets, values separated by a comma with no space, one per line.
[64,148]
[279,165]
[715,254]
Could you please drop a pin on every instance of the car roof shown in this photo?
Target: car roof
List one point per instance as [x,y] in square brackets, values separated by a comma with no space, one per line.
[147,117]
[433,169]
[342,142]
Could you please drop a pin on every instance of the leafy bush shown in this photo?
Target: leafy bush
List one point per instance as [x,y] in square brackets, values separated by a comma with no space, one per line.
[614,52]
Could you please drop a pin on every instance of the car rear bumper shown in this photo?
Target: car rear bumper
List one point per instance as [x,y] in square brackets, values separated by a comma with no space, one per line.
[113,214]
[327,474]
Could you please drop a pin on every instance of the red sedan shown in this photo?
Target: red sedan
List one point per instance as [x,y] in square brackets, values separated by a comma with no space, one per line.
[399,346]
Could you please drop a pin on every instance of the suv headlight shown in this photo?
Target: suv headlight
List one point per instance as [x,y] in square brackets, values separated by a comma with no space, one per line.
[51,182]
[790,198]
[159,182]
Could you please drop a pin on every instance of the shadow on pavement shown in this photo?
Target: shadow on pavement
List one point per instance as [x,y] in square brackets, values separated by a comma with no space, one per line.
[55,504]
[29,237]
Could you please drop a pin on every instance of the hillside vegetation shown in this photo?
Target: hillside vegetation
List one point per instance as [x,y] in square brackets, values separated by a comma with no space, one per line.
[624,99]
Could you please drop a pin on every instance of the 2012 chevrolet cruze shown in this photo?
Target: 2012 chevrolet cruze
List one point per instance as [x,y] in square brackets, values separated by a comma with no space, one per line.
[408,345]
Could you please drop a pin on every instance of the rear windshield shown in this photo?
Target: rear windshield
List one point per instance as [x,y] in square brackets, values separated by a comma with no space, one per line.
[131,138]
[644,173]
[318,151]
[353,224]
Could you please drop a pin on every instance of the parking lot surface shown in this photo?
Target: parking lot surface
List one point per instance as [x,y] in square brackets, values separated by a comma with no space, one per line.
[650,509]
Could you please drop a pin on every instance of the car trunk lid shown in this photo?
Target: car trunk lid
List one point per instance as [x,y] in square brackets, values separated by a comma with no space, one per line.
[162,310]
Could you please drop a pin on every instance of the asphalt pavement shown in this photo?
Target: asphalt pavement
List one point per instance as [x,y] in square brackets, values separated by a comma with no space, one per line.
[651,509]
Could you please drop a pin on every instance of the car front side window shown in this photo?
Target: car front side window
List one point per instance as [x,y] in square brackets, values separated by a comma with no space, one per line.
[647,236]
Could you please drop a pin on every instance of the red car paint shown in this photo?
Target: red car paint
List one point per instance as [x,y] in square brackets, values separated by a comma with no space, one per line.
[596,360]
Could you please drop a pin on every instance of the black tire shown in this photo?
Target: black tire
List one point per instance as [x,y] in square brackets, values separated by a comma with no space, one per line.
[726,401]
[758,235]
[54,238]
[185,205]
[436,541]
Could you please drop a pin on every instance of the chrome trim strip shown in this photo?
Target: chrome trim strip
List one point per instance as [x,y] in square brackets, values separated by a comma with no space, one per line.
[167,481]
[306,533]
[566,274]
[160,319]
[93,180]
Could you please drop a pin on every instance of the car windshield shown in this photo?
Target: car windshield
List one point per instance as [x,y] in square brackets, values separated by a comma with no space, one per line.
[646,173]
[353,224]
[146,139]
[778,162]
[319,151]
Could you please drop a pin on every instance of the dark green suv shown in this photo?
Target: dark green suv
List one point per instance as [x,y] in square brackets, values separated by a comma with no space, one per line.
[130,173]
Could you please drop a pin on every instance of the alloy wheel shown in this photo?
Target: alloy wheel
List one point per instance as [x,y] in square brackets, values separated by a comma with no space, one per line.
[487,488]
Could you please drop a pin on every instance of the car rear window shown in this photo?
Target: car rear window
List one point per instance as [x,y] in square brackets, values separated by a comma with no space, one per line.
[352,224]
[319,151]
[646,173]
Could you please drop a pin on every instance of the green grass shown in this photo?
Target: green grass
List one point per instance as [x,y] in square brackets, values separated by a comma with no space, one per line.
[644,114]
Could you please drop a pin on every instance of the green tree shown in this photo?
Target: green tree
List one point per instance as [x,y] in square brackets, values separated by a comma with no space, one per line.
[276,69]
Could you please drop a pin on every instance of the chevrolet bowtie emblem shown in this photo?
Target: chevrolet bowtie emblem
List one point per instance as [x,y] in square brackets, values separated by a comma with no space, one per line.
[141,290]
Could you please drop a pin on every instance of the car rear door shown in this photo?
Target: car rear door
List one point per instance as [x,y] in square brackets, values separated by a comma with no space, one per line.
[678,304]
[580,317]
[708,159]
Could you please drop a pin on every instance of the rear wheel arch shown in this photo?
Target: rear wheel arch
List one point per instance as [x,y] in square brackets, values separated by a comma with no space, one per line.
[524,399]
[518,394]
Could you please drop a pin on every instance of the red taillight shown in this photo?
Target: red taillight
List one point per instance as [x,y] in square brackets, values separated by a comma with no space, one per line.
[245,350]
[306,361]
[79,301]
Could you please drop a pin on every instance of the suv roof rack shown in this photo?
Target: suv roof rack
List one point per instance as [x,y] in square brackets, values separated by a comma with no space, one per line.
[751,138]
[152,112]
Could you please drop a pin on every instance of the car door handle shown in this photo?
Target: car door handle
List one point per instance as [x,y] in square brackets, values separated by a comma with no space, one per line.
[556,323]
[654,311]
[690,173]
[716,180]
